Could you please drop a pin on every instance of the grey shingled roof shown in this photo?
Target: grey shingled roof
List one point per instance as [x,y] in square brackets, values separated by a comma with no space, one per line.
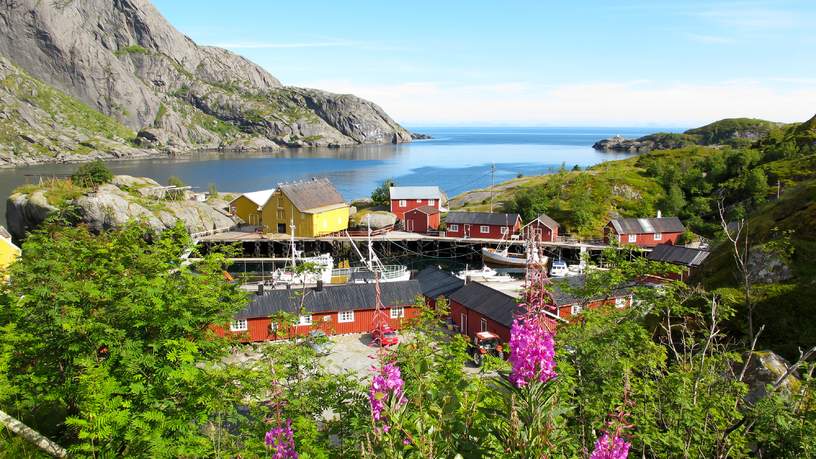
[4,233]
[481,218]
[312,194]
[415,192]
[678,255]
[648,225]
[563,298]
[488,302]
[331,299]
[547,221]
[435,283]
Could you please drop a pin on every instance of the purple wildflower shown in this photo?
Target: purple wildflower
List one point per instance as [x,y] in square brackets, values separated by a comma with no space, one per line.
[533,352]
[387,382]
[282,440]
[607,447]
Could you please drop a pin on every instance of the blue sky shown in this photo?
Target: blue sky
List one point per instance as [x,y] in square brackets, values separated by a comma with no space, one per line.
[603,63]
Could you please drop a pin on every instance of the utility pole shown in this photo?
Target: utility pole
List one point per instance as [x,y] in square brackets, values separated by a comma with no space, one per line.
[492,183]
[778,188]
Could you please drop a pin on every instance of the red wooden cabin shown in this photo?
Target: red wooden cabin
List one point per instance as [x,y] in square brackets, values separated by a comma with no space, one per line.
[482,225]
[436,283]
[340,309]
[546,227]
[644,232]
[422,219]
[405,198]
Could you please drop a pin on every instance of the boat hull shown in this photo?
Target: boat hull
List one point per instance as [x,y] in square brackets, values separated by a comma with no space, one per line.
[494,259]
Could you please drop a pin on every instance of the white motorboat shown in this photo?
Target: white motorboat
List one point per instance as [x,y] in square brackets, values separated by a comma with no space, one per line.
[502,258]
[560,268]
[486,274]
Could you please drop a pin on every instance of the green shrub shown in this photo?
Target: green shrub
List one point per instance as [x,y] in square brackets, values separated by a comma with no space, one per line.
[92,174]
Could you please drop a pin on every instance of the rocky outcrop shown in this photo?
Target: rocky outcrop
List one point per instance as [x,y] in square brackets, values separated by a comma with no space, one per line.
[113,205]
[124,60]
[660,141]
[765,368]
[418,136]
[378,219]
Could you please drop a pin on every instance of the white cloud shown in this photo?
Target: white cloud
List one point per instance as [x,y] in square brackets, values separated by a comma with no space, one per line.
[628,103]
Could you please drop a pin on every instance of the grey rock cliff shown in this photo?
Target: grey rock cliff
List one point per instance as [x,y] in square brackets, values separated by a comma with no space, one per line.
[125,60]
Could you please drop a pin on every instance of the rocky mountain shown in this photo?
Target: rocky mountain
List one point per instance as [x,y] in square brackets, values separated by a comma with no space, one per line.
[154,88]
[736,132]
[112,205]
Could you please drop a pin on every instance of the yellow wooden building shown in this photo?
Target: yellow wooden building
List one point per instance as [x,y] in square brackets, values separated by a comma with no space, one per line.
[314,206]
[249,206]
[8,252]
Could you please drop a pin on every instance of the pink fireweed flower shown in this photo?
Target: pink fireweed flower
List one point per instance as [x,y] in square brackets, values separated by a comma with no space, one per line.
[387,382]
[607,447]
[532,352]
[281,440]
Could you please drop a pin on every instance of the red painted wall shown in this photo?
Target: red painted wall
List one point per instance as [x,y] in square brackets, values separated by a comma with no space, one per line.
[643,240]
[547,234]
[258,328]
[474,322]
[410,204]
[420,222]
[565,311]
[494,233]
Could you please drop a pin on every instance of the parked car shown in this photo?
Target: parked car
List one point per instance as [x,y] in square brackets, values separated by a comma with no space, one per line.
[485,343]
[384,335]
[318,341]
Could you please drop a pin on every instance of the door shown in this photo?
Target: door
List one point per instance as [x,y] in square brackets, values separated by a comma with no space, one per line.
[467,231]
[282,228]
[409,225]
[463,323]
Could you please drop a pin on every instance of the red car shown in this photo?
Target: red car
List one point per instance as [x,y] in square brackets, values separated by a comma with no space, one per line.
[384,335]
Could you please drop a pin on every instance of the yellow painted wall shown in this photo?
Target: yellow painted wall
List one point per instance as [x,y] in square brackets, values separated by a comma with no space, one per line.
[247,210]
[8,253]
[280,210]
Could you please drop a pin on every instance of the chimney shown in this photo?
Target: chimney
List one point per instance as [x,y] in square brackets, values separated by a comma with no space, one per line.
[260,288]
[319,287]
[659,213]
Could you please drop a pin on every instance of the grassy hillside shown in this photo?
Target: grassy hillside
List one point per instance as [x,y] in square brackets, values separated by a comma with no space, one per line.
[734,131]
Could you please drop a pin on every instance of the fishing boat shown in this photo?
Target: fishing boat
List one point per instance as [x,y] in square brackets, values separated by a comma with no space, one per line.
[312,269]
[501,257]
[372,267]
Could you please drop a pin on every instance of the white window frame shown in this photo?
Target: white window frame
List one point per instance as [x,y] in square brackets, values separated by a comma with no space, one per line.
[403,203]
[483,324]
[239,325]
[305,320]
[658,236]
[397,312]
[504,230]
[620,302]
[484,229]
[419,201]
[345,317]
[576,309]
[432,202]
[453,227]
[633,238]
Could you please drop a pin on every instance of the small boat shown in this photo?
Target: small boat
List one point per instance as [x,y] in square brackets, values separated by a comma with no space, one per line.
[502,258]
[561,269]
[321,268]
[372,267]
[486,274]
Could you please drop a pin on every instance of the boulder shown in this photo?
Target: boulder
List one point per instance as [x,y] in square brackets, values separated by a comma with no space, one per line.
[378,220]
[764,368]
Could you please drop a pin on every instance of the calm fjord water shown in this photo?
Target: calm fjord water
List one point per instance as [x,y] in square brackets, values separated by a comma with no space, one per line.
[456,159]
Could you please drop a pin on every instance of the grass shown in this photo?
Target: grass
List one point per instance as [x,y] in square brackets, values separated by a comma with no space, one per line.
[132,49]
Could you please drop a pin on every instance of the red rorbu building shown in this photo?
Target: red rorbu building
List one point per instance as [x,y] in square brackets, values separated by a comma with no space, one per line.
[644,232]
[546,227]
[688,258]
[436,284]
[405,198]
[341,309]
[569,305]
[422,219]
[482,225]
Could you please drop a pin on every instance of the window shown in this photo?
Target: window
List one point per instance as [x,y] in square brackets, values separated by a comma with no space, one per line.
[345,316]
[419,201]
[620,302]
[403,203]
[484,229]
[397,312]
[432,202]
[483,325]
[281,214]
[239,325]
[658,236]
[576,309]
[633,238]
[305,320]
[453,227]
[504,230]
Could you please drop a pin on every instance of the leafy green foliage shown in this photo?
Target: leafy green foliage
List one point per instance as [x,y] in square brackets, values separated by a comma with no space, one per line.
[92,174]
[132,49]
[382,195]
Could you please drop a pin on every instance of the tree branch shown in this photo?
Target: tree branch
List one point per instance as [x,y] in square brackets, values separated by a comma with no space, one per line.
[32,436]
